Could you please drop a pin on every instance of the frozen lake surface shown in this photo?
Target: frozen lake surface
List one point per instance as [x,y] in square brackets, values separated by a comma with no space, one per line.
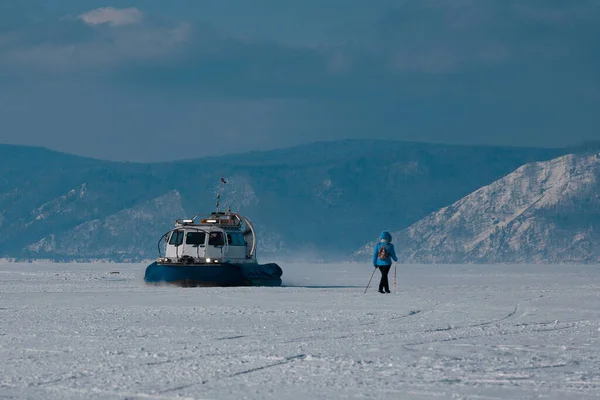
[80,331]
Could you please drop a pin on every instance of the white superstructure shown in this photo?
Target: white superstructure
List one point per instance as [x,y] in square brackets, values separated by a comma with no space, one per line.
[222,237]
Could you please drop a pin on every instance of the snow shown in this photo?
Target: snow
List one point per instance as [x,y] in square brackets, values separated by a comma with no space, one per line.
[73,331]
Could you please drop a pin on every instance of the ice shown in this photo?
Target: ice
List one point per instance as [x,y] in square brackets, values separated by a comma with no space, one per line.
[95,331]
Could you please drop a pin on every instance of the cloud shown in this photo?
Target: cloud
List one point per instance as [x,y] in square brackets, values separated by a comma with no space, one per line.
[466,71]
[113,16]
[431,37]
[98,40]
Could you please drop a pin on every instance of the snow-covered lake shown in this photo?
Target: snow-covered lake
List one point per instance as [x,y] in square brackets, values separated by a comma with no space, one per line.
[80,331]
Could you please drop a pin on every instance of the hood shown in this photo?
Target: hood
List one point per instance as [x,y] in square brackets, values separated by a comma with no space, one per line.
[385,236]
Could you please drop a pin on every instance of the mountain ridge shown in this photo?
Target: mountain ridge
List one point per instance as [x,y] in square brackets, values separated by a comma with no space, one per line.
[322,198]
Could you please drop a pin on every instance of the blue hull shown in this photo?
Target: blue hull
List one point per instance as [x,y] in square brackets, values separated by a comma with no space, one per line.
[214,274]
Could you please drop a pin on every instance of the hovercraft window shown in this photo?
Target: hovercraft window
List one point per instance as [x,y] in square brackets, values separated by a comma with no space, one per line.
[236,239]
[176,238]
[216,239]
[195,238]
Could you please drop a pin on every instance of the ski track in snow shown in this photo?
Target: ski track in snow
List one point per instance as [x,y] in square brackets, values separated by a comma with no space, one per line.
[81,331]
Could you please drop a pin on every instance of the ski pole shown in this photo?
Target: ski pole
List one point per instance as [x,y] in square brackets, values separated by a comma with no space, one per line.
[395,264]
[370,280]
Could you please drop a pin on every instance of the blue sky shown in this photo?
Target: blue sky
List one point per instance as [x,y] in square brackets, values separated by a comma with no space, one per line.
[155,80]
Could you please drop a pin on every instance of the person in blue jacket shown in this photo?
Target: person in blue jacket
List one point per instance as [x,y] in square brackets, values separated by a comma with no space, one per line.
[382,258]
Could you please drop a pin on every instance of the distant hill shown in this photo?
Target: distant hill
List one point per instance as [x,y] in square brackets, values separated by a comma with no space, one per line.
[321,200]
[544,212]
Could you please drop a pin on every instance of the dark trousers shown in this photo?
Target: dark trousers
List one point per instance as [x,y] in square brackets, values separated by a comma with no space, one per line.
[383,283]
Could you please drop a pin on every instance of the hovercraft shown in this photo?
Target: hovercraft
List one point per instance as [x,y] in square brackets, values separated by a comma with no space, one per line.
[216,250]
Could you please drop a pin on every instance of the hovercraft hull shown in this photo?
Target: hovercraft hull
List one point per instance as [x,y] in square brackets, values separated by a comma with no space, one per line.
[223,274]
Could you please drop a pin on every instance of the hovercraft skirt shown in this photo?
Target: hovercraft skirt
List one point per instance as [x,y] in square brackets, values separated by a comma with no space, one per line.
[225,274]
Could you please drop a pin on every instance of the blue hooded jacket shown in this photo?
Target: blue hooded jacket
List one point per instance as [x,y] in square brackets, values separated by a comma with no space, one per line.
[385,240]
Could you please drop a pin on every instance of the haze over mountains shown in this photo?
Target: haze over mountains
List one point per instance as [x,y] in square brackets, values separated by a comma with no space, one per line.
[321,201]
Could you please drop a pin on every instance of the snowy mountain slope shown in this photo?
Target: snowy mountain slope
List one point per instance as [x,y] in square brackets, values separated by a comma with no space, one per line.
[65,204]
[121,237]
[544,212]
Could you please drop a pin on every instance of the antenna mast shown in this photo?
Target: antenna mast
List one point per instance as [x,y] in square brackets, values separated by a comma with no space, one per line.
[219,192]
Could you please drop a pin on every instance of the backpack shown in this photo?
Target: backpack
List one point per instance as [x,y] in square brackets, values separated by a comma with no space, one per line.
[383,254]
